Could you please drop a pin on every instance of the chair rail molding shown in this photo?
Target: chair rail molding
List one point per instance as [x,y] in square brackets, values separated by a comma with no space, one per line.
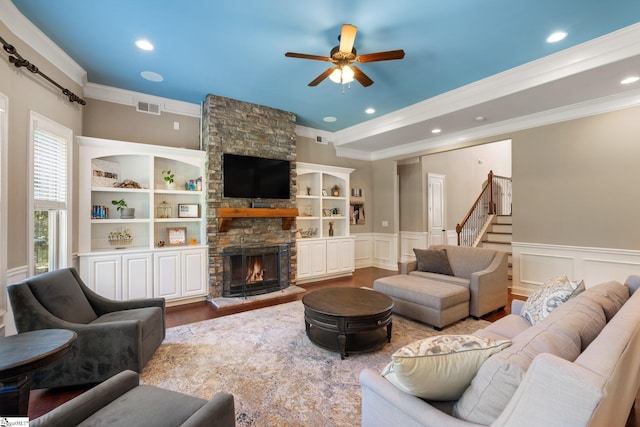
[535,263]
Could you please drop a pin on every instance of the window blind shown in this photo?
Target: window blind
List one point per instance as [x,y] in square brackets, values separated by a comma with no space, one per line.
[49,171]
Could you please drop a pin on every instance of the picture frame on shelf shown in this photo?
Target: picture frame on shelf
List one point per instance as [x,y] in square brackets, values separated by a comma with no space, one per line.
[176,236]
[188,210]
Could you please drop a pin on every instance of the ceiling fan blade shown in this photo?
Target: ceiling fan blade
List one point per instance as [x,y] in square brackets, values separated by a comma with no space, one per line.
[347,37]
[381,56]
[321,77]
[305,56]
[361,77]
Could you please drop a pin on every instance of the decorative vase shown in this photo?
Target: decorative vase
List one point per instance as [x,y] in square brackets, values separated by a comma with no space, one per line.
[127,213]
[331,229]
[171,185]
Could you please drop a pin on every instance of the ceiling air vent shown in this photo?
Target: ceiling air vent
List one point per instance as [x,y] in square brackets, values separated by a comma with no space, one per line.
[147,107]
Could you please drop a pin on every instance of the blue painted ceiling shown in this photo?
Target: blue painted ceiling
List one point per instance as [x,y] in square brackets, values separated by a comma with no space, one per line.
[236,48]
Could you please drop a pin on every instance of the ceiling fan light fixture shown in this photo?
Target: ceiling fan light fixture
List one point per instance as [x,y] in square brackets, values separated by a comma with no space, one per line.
[342,74]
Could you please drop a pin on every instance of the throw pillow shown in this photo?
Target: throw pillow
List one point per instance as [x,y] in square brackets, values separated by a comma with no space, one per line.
[550,295]
[440,367]
[433,261]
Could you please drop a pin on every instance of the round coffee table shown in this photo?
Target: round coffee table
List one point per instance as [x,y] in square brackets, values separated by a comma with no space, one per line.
[348,320]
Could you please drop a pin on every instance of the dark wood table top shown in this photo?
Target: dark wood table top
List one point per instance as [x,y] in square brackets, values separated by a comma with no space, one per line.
[347,302]
[25,352]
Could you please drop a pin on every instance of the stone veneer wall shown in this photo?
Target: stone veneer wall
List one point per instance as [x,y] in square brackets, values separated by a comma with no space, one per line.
[236,127]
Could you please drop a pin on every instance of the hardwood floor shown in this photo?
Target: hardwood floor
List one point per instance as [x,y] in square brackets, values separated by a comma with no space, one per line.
[42,401]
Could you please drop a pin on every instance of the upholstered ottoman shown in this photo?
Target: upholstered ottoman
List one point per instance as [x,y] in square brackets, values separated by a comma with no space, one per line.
[429,301]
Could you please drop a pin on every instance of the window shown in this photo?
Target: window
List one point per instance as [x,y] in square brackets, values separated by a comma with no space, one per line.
[51,152]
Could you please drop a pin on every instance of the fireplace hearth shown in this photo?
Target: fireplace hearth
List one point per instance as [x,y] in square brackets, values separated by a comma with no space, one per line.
[255,271]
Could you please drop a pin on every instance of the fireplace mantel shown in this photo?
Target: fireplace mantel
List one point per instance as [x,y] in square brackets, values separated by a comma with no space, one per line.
[226,216]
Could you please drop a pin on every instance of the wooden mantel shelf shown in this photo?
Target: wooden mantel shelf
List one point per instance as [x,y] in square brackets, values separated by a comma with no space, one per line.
[226,216]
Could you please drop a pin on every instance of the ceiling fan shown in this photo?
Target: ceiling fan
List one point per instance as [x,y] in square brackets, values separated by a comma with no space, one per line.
[343,56]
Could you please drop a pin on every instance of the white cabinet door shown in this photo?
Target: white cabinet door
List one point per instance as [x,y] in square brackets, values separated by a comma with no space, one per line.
[137,276]
[312,257]
[333,256]
[303,259]
[194,272]
[339,256]
[166,274]
[346,258]
[318,257]
[103,275]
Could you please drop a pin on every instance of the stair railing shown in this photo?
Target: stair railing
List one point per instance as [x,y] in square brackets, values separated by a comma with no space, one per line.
[494,199]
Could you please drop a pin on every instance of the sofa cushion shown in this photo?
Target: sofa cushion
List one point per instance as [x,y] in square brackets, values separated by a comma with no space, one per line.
[499,377]
[453,280]
[548,297]
[59,290]
[465,260]
[440,367]
[505,328]
[433,261]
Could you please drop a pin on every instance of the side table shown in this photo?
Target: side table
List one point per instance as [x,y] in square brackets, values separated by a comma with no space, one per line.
[24,353]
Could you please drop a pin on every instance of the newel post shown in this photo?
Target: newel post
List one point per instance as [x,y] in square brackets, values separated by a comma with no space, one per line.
[491,206]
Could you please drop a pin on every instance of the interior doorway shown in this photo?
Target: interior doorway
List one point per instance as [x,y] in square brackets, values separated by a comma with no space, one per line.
[436,209]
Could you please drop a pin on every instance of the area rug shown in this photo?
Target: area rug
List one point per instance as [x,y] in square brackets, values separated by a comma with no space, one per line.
[276,375]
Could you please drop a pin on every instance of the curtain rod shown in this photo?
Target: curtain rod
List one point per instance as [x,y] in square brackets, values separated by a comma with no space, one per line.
[16,59]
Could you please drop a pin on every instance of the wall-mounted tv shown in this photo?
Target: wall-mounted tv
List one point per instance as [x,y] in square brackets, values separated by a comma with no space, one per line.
[255,177]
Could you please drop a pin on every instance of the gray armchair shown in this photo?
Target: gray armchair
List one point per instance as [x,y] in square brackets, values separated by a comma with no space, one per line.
[122,401]
[112,335]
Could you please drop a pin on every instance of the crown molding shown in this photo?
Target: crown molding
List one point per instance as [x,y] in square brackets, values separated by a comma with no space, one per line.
[131,98]
[557,115]
[38,41]
[611,47]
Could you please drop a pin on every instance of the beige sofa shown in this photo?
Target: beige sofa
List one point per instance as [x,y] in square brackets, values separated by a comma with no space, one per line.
[539,379]
[483,271]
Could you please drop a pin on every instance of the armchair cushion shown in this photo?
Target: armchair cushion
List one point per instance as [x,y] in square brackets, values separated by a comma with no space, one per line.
[122,401]
[58,291]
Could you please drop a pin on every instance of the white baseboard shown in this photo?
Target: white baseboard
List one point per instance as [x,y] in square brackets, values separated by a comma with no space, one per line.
[535,263]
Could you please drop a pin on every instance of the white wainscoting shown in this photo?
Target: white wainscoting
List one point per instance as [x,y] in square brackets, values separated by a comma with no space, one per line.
[13,275]
[376,250]
[363,250]
[535,263]
[452,237]
[410,240]
[420,240]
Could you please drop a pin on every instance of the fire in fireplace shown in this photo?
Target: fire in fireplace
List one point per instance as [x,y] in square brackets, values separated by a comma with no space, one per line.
[254,271]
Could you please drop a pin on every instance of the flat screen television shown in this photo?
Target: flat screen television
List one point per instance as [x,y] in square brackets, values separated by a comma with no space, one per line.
[255,177]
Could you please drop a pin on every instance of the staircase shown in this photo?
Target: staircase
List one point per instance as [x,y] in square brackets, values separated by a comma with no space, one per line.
[489,223]
[498,237]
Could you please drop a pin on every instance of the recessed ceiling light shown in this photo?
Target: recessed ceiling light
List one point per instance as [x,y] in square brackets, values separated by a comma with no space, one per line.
[436,130]
[629,80]
[144,44]
[480,118]
[370,110]
[556,37]
[151,76]
[329,119]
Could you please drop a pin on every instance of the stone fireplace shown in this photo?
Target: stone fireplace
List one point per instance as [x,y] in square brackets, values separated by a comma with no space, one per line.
[236,127]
